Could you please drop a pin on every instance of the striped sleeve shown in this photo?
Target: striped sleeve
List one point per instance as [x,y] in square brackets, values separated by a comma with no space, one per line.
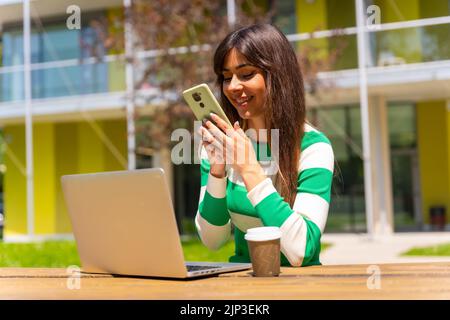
[302,225]
[212,219]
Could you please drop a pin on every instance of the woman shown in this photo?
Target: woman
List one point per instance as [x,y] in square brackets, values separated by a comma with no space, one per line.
[262,88]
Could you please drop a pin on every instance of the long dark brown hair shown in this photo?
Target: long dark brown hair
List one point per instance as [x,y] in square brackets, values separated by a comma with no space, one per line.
[266,47]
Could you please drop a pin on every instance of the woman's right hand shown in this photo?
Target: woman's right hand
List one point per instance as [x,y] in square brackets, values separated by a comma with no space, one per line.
[216,153]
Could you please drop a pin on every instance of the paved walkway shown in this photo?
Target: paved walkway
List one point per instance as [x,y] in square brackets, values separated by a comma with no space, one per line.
[361,249]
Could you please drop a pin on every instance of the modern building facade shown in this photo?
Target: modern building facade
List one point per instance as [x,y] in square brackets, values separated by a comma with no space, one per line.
[391,138]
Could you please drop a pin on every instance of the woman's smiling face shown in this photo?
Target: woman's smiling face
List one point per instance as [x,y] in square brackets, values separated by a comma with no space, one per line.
[244,85]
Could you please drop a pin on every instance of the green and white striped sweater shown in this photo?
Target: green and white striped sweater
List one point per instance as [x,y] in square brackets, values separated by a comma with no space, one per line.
[225,201]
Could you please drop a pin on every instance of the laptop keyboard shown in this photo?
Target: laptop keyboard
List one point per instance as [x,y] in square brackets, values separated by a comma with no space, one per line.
[196,268]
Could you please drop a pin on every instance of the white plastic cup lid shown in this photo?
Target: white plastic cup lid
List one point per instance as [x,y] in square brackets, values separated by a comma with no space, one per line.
[263,234]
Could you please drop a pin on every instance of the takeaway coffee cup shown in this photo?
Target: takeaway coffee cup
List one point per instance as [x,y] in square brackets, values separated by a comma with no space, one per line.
[264,246]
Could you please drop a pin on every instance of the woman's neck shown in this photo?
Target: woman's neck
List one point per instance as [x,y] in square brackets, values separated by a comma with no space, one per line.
[257,124]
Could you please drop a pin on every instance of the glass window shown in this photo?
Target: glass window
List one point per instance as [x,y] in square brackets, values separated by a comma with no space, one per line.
[402,125]
[12,55]
[60,44]
[342,125]
[404,10]
[52,41]
[355,126]
[12,48]
[340,14]
[332,122]
[402,135]
[434,41]
[285,16]
[434,8]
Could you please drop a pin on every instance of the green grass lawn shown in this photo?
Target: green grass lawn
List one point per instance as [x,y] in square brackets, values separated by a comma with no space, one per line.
[437,250]
[43,254]
[62,254]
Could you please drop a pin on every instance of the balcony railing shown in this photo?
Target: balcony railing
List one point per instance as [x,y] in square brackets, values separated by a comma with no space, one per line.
[414,41]
[412,45]
[64,78]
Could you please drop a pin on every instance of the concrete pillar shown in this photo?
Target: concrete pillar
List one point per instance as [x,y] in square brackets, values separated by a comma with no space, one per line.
[66,162]
[383,222]
[15,182]
[90,147]
[44,179]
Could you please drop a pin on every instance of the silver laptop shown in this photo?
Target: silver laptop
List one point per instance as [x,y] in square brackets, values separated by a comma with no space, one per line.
[124,223]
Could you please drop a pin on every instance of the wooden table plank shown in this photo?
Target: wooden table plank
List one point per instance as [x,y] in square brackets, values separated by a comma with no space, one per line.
[398,281]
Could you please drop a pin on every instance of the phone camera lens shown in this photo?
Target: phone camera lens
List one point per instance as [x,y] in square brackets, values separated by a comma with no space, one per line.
[202,104]
[196,96]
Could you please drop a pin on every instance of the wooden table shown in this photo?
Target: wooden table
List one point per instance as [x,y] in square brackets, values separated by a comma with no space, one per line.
[396,281]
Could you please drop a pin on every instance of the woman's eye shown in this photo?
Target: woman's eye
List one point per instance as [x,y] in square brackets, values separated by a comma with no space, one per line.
[243,76]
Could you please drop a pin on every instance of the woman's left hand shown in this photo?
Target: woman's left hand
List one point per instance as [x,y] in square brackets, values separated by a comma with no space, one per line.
[239,149]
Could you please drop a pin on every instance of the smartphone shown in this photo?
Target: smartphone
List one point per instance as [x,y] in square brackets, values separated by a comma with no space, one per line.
[202,102]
